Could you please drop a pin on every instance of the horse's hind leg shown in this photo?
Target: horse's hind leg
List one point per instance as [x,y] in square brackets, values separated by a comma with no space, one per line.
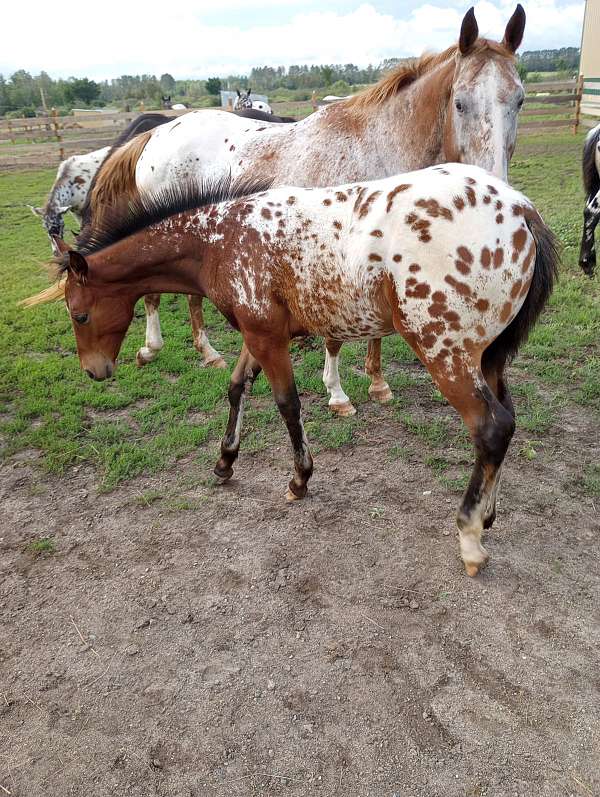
[274,357]
[240,387]
[494,375]
[491,425]
[210,356]
[338,401]
[591,217]
[379,390]
[154,339]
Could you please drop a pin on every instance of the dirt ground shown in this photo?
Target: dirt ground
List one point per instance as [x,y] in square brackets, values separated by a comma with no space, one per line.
[232,644]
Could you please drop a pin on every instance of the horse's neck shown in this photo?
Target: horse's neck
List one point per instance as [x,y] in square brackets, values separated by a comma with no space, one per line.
[161,259]
[405,132]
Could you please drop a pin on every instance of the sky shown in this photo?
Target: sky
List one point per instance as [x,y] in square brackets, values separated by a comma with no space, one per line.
[202,39]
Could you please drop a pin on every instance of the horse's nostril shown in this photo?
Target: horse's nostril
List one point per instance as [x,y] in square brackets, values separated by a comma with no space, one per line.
[90,373]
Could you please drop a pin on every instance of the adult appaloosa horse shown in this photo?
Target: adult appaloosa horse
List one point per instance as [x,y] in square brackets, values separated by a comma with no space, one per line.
[76,175]
[458,105]
[591,213]
[451,258]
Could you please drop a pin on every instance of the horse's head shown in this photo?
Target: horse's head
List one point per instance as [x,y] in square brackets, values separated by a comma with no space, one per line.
[486,96]
[53,221]
[243,100]
[100,316]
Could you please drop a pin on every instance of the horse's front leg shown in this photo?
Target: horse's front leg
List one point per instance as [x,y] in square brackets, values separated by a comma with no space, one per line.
[338,401]
[379,390]
[154,339]
[210,356]
[240,387]
[591,217]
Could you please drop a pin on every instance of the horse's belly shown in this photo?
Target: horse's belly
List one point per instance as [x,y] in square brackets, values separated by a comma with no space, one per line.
[341,312]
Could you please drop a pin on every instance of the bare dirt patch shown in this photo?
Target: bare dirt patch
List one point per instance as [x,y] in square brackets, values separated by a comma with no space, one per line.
[186,639]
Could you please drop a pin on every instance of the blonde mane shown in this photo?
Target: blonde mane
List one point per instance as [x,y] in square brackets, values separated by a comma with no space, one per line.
[407,73]
[116,178]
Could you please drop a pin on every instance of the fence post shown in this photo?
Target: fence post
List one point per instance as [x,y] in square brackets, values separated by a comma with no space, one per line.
[313,100]
[579,93]
[229,103]
[142,106]
[12,140]
[55,124]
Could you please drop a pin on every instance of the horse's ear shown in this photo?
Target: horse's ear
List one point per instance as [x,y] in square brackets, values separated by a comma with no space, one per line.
[78,265]
[513,35]
[238,93]
[36,211]
[469,31]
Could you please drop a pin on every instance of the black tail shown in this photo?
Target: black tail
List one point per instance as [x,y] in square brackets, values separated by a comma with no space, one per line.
[591,178]
[545,274]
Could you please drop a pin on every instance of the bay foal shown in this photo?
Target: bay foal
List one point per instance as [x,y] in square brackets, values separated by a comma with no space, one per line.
[454,260]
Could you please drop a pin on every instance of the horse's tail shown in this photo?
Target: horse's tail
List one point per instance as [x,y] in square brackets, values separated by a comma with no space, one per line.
[116,179]
[591,178]
[545,273]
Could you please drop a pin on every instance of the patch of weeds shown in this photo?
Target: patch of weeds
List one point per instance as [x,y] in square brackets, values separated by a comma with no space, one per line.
[528,451]
[148,498]
[438,465]
[457,484]
[376,512]
[180,504]
[400,452]
[591,480]
[433,432]
[41,546]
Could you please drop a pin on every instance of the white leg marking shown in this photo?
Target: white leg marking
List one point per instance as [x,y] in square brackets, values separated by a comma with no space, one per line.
[154,338]
[339,401]
[210,355]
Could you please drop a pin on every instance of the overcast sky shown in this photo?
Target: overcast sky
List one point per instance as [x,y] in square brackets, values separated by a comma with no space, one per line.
[199,39]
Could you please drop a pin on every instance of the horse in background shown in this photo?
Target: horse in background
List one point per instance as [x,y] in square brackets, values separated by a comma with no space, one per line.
[242,101]
[454,260]
[591,213]
[76,177]
[458,105]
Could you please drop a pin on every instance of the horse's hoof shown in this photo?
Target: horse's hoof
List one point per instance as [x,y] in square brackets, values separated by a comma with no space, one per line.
[216,362]
[344,410]
[381,394]
[223,474]
[290,496]
[474,568]
[140,360]
[295,492]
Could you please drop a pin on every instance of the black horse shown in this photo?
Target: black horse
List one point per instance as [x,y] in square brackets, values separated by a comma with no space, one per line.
[591,213]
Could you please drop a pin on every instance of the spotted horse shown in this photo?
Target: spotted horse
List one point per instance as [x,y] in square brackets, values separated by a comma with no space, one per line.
[458,105]
[76,177]
[451,258]
[591,213]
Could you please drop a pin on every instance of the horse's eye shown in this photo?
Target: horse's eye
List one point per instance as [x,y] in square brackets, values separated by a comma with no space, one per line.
[520,103]
[82,318]
[459,106]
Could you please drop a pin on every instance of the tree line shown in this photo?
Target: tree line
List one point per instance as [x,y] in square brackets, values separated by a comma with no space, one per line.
[23,94]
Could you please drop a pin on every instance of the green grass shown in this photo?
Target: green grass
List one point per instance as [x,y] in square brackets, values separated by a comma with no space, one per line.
[43,545]
[146,419]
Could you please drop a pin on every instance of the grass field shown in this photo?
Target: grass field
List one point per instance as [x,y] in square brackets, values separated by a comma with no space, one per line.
[147,418]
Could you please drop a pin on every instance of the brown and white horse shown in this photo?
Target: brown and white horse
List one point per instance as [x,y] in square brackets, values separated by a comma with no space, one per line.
[459,105]
[453,259]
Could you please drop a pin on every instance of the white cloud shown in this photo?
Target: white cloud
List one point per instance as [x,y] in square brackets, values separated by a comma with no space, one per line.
[179,37]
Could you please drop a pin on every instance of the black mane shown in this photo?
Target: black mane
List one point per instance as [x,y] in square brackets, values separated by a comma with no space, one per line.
[122,220]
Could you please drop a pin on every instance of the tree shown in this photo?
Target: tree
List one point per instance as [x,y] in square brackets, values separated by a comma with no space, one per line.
[213,85]
[81,89]
[522,70]
[167,83]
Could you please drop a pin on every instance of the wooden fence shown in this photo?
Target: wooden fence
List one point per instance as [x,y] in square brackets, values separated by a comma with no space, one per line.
[25,142]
